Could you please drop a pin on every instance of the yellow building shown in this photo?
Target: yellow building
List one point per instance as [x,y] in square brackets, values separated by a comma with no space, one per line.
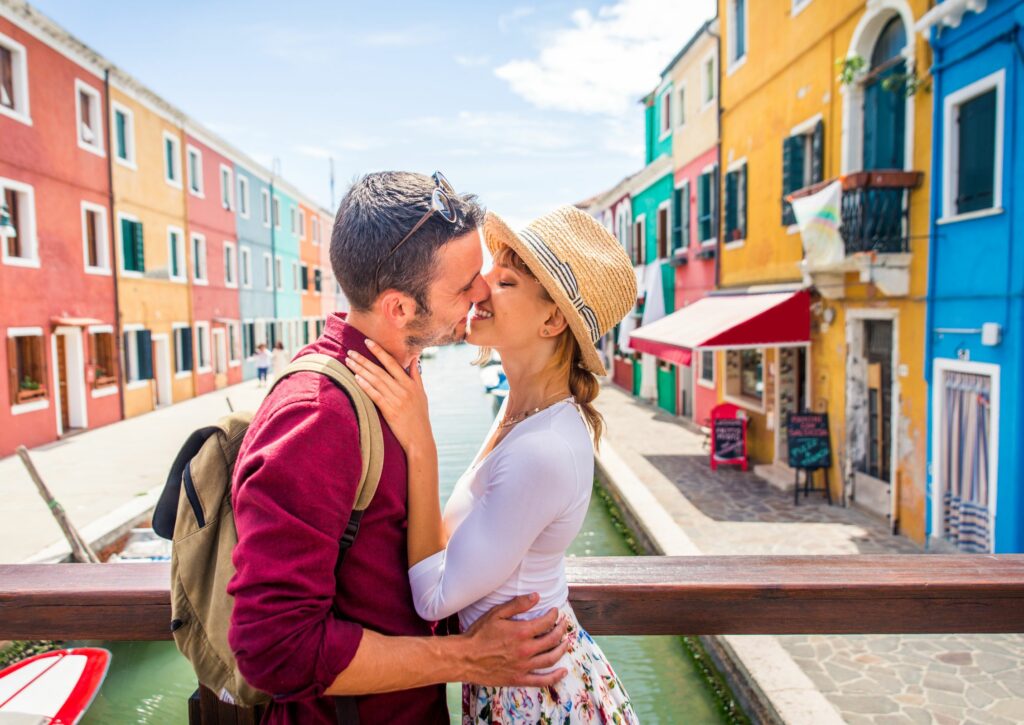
[793,120]
[154,262]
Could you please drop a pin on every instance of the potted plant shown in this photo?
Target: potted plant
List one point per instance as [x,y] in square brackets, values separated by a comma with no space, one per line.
[30,389]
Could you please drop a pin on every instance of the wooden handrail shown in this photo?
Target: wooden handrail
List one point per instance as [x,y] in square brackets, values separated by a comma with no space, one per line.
[612,595]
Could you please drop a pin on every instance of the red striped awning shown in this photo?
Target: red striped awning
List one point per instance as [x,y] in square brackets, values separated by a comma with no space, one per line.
[727,321]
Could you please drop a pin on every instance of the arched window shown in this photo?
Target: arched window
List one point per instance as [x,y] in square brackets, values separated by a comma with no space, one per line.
[885,102]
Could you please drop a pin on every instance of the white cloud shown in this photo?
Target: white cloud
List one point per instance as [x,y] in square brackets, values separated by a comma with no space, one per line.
[604,63]
[475,133]
[513,16]
[472,61]
[313,152]
[395,38]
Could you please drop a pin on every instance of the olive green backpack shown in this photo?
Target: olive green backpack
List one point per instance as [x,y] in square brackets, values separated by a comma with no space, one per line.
[195,512]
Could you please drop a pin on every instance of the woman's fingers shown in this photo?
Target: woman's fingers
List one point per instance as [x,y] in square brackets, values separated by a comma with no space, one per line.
[389,363]
[373,373]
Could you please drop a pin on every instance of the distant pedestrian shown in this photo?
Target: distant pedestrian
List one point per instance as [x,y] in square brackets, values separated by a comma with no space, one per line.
[263,359]
[278,358]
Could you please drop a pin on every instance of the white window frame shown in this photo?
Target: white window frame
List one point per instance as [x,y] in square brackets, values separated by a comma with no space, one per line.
[302,223]
[183,257]
[268,267]
[742,400]
[667,206]
[179,359]
[226,174]
[681,103]
[245,266]
[129,134]
[243,195]
[275,212]
[195,185]
[704,382]
[797,7]
[716,192]
[293,220]
[234,351]
[296,276]
[119,235]
[316,230]
[199,254]
[705,101]
[279,274]
[29,225]
[665,120]
[102,236]
[951,138]
[201,334]
[34,405]
[19,59]
[131,358]
[99,330]
[735,63]
[265,206]
[97,117]
[173,175]
[231,264]
[640,219]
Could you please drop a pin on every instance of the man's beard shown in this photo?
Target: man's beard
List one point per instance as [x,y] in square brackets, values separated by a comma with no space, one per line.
[422,334]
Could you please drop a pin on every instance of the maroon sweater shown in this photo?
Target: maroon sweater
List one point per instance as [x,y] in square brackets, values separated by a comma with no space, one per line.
[293,490]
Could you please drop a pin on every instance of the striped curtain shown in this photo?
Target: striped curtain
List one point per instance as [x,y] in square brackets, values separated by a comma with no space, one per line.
[965,429]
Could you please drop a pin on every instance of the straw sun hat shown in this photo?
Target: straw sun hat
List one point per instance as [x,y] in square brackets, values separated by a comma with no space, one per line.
[582,267]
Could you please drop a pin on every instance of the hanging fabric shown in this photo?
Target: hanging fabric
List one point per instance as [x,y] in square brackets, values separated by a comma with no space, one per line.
[965,464]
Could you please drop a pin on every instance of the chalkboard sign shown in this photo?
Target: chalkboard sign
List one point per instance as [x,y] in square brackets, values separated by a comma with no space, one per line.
[809,443]
[727,440]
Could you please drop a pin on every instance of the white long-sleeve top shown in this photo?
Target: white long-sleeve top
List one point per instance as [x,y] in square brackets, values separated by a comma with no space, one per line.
[511,517]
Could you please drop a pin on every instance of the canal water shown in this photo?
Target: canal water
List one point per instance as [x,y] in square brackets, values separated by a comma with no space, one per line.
[149,682]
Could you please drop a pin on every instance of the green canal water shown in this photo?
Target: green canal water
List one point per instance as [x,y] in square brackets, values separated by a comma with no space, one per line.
[149,682]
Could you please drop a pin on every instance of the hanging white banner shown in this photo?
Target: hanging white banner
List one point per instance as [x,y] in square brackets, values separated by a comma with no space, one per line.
[819,217]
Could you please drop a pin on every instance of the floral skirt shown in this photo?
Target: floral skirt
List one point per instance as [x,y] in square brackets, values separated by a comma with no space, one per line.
[590,693]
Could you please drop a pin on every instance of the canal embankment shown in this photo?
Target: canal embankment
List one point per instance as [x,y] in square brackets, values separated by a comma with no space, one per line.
[659,475]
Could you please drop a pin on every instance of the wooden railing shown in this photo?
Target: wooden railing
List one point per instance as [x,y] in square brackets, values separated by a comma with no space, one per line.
[611,595]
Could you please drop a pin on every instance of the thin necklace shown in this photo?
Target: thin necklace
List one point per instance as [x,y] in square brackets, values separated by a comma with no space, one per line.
[510,420]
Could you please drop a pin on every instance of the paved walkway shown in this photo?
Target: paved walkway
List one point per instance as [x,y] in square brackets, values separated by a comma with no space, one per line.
[102,477]
[909,679]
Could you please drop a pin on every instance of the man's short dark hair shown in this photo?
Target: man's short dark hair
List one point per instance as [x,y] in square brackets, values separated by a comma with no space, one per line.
[376,212]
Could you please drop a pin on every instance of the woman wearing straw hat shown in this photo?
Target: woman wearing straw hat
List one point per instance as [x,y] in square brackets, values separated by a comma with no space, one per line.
[556,288]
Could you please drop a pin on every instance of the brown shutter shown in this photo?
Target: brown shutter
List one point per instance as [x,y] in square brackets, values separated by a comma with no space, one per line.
[12,369]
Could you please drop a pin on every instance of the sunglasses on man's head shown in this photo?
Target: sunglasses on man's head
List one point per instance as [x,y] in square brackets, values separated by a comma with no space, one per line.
[440,203]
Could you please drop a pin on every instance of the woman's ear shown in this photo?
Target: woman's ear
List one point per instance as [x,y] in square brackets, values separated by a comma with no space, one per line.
[398,308]
[555,324]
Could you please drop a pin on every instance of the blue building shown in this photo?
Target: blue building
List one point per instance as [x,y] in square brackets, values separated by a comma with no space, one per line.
[287,268]
[256,265]
[975,344]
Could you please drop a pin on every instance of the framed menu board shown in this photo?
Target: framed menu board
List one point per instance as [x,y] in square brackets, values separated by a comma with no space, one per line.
[810,445]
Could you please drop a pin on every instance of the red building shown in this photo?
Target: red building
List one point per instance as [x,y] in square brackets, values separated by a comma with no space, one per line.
[58,317]
[216,270]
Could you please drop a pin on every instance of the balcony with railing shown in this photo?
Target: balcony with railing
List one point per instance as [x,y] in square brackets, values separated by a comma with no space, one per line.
[875,228]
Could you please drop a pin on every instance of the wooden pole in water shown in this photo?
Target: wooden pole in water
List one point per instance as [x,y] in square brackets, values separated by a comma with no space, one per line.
[80,549]
[230,406]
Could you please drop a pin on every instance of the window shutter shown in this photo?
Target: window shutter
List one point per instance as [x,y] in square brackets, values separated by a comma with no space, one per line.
[818,153]
[685,215]
[128,243]
[976,154]
[140,250]
[186,348]
[305,277]
[677,219]
[318,280]
[730,206]
[715,191]
[789,162]
[144,339]
[12,368]
[741,201]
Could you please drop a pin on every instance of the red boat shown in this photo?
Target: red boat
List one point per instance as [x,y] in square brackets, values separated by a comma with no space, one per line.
[52,688]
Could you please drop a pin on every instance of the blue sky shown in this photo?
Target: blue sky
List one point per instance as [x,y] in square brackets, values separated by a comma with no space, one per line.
[528,105]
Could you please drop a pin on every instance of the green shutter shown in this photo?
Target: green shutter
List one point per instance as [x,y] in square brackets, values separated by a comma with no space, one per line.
[703,206]
[714,201]
[685,222]
[817,153]
[175,271]
[140,249]
[186,348]
[128,244]
[122,135]
[730,206]
[741,202]
[144,340]
[677,219]
[792,173]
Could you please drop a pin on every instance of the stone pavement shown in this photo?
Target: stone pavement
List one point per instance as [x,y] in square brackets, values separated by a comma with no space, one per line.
[104,477]
[909,679]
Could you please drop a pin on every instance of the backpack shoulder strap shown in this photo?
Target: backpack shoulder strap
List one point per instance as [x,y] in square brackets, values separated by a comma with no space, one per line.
[166,510]
[371,438]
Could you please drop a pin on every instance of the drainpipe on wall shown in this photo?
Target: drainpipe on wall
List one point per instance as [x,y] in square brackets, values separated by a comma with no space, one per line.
[183,159]
[118,334]
[721,176]
[933,248]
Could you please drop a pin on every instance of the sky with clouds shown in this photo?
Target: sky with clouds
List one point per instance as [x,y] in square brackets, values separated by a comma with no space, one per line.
[528,105]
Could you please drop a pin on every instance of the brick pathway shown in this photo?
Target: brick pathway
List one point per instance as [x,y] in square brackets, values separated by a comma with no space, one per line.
[885,679]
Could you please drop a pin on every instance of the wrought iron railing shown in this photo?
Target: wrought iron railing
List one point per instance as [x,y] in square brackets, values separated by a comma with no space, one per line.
[875,209]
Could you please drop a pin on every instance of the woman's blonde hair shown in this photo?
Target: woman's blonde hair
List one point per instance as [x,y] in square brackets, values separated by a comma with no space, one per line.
[567,361]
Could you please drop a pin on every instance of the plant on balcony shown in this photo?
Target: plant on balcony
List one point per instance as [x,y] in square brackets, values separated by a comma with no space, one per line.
[30,389]
[853,69]
[27,383]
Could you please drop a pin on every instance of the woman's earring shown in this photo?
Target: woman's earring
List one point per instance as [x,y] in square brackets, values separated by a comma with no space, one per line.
[544,333]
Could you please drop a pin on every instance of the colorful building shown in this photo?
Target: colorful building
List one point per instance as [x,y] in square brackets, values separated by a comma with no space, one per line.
[58,315]
[974,343]
[287,270]
[791,121]
[155,265]
[256,259]
[312,278]
[331,299]
[213,202]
